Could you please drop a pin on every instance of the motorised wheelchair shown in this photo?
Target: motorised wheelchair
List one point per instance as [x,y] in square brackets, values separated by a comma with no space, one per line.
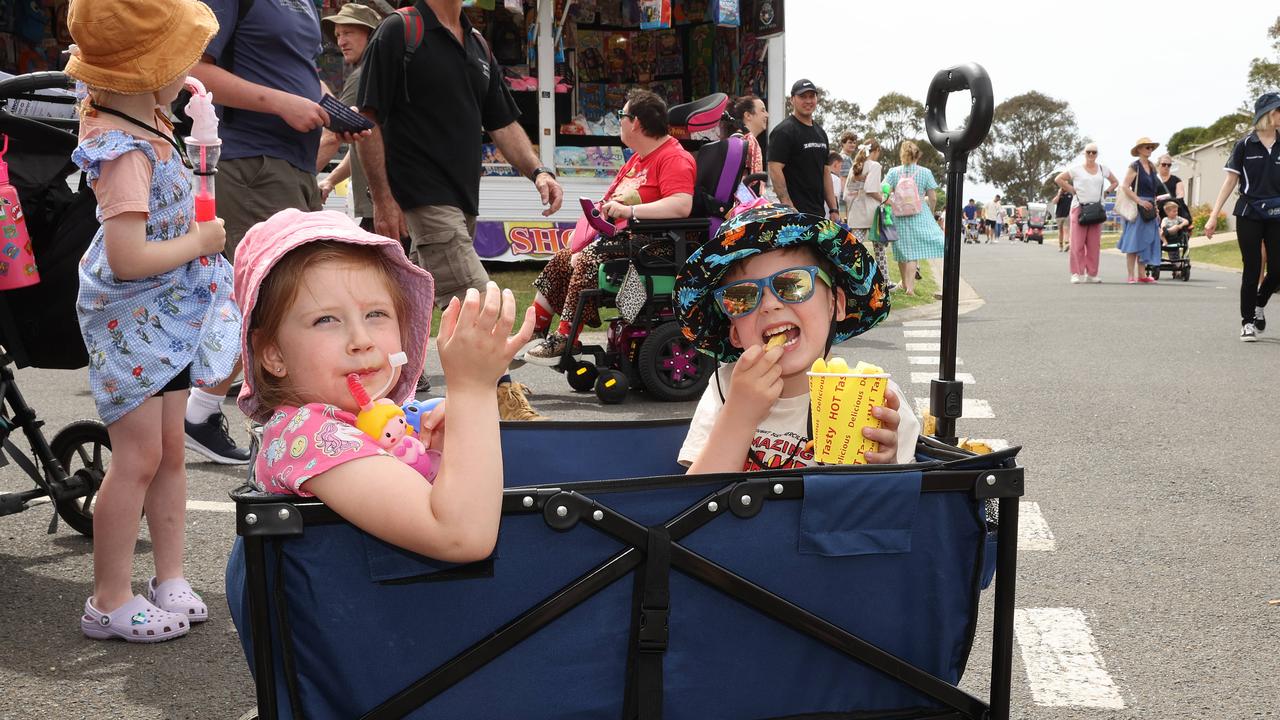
[644,347]
[38,326]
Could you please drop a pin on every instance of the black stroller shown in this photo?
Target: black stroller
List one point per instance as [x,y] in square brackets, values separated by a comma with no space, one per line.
[38,326]
[1175,256]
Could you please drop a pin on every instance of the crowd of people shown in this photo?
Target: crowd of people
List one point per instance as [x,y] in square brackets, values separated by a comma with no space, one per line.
[327,317]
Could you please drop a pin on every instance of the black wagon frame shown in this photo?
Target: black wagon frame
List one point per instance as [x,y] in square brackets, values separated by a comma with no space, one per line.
[652,552]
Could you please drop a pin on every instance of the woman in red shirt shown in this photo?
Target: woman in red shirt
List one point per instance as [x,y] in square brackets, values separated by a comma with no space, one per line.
[656,183]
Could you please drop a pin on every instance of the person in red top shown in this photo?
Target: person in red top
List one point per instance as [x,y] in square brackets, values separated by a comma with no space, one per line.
[655,184]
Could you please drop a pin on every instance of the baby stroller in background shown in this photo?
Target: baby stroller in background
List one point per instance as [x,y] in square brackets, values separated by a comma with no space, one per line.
[1175,257]
[38,325]
[644,347]
[972,230]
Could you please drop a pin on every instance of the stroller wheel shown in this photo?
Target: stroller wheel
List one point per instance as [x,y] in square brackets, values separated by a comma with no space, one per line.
[83,449]
[1186,272]
[1154,271]
[611,387]
[582,375]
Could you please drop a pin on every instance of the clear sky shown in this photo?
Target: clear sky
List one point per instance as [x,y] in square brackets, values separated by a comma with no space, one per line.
[1126,69]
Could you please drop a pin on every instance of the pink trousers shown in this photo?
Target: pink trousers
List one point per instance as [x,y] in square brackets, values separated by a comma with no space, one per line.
[1086,241]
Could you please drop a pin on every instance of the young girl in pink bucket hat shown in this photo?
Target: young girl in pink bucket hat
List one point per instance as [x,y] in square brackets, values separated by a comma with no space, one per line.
[323,299]
[155,303]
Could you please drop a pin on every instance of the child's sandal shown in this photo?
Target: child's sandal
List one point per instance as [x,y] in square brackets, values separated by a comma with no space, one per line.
[176,596]
[135,621]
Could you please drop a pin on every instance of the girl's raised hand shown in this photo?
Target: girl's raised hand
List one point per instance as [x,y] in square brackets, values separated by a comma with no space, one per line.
[475,341]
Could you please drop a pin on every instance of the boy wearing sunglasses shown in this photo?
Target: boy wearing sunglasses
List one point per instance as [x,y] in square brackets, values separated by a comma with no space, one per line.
[771,293]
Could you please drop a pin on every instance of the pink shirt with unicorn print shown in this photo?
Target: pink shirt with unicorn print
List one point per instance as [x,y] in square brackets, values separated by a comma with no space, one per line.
[300,443]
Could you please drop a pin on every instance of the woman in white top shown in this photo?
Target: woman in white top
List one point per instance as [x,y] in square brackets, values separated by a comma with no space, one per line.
[862,196]
[1085,183]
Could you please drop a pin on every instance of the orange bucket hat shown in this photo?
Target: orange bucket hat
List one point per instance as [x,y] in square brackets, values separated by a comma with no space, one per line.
[133,47]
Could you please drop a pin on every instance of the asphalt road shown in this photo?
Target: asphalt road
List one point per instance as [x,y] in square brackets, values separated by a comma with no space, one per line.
[1149,436]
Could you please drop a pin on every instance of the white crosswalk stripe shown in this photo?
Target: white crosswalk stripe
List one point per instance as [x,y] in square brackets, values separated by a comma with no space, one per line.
[922,323]
[1063,666]
[1033,531]
[932,333]
[926,377]
[924,347]
[211,506]
[929,360]
[973,409]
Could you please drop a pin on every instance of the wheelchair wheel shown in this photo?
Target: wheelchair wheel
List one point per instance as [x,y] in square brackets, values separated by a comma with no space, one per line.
[84,450]
[582,376]
[671,368]
[611,387]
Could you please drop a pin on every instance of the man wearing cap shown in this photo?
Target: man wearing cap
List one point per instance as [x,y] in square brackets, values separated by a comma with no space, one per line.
[430,109]
[351,28]
[798,150]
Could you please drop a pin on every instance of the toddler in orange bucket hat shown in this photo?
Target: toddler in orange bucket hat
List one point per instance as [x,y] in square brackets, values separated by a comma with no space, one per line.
[154,304]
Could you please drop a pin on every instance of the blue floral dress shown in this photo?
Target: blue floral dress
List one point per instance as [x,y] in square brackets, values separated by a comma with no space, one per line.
[141,333]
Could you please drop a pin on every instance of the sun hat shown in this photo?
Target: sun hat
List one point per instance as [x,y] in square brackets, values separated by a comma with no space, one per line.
[132,47]
[1265,104]
[1144,140]
[759,230]
[354,14]
[270,240]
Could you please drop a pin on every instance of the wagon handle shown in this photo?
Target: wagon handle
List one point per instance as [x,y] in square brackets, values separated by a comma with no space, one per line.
[955,145]
[946,396]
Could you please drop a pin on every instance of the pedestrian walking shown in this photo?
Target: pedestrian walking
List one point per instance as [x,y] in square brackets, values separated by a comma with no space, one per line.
[155,305]
[1086,184]
[993,214]
[919,237]
[1171,185]
[1140,238]
[798,149]
[863,198]
[430,108]
[351,27]
[1254,166]
[749,116]
[1062,204]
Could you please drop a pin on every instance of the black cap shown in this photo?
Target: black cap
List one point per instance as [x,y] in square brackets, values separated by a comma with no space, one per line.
[1265,104]
[803,86]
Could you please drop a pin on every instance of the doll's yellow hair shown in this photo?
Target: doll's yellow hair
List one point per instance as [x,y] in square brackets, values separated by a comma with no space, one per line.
[372,421]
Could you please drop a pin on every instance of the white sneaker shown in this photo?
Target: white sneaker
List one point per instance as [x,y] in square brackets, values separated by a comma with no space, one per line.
[1093,279]
[1248,333]
[1075,279]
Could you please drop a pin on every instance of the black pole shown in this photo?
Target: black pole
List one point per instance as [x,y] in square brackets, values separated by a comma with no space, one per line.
[946,401]
[1002,628]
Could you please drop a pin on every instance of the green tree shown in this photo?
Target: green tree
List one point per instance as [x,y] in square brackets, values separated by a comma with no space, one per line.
[836,115]
[1032,135]
[1264,73]
[1185,139]
[896,117]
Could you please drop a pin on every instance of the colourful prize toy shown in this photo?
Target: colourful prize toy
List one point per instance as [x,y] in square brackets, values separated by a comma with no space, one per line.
[17,262]
[204,147]
[385,422]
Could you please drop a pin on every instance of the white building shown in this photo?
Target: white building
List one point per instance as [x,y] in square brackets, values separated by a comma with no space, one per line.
[1202,169]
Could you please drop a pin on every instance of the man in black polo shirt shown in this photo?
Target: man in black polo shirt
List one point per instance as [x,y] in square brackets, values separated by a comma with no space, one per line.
[423,158]
[798,150]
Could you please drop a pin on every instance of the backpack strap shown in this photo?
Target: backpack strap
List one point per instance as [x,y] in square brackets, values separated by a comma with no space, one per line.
[415,32]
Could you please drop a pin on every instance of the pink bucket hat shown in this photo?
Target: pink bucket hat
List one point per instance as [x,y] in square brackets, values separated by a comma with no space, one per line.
[269,241]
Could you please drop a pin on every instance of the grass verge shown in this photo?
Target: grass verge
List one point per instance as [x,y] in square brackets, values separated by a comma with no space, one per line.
[1226,254]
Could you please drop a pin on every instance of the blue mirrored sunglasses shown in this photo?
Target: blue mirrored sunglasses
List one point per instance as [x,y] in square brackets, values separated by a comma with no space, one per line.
[792,285]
